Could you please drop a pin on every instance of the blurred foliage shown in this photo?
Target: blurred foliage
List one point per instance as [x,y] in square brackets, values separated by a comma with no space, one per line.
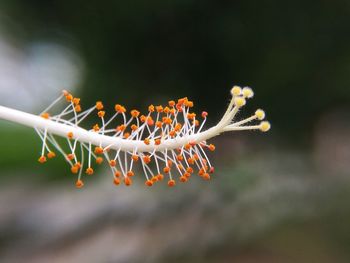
[295,54]
[20,147]
[11,138]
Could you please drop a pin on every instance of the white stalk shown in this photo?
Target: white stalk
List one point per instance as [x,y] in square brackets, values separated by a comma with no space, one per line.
[85,136]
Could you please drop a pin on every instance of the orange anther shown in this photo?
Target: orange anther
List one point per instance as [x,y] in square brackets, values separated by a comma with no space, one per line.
[70,156]
[179,157]
[159,124]
[96,128]
[130,173]
[123,109]
[116,181]
[135,113]
[171,103]
[170,163]
[180,166]
[77,108]
[211,147]
[112,163]
[183,179]
[172,133]
[146,141]
[99,160]
[201,172]
[127,181]
[69,97]
[119,108]
[74,169]
[45,115]
[172,111]
[154,179]
[179,107]
[150,121]
[134,127]
[78,164]
[190,160]
[121,127]
[166,110]
[142,118]
[188,146]
[196,123]
[178,127]
[159,108]
[151,108]
[101,113]
[149,183]
[146,159]
[157,141]
[196,157]
[189,170]
[76,101]
[65,93]
[99,105]
[70,135]
[191,116]
[135,157]
[189,104]
[166,169]
[181,101]
[42,159]
[160,177]
[126,135]
[98,150]
[51,155]
[171,183]
[79,184]
[206,176]
[89,171]
[187,174]
[204,114]
[117,174]
[167,120]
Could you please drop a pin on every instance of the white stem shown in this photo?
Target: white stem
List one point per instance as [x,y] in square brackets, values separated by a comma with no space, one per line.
[94,138]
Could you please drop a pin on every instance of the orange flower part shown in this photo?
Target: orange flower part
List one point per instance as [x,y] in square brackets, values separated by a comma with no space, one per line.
[99,105]
[79,184]
[171,183]
[89,171]
[99,160]
[42,159]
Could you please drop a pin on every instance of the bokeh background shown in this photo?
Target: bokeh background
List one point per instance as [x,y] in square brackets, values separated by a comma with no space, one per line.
[281,196]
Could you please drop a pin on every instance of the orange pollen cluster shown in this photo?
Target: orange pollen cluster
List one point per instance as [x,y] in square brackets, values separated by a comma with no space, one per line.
[101,113]
[45,115]
[119,108]
[157,127]
[70,135]
[98,150]
[51,155]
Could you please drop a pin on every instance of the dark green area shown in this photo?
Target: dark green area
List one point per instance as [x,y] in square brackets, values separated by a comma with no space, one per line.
[295,54]
[296,57]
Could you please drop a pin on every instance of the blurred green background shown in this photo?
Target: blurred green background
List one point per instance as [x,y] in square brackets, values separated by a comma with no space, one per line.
[277,197]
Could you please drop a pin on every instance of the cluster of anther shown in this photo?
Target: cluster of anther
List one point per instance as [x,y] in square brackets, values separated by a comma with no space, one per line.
[160,124]
[159,132]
